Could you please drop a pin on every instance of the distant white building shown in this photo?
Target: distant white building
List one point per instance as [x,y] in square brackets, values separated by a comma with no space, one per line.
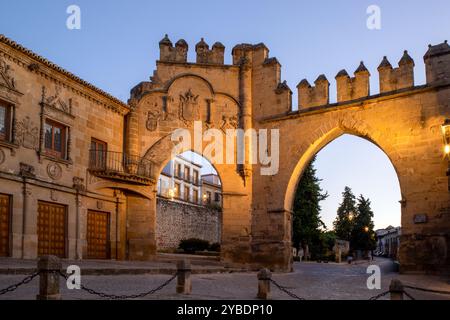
[180,180]
[388,241]
[211,189]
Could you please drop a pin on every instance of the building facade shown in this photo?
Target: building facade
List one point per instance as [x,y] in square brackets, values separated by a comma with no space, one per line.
[212,190]
[180,180]
[50,120]
[388,241]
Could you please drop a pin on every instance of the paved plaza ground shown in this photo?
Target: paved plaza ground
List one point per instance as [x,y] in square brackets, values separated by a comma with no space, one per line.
[309,280]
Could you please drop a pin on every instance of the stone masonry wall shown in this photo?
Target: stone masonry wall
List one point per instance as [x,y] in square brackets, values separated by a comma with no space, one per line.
[177,221]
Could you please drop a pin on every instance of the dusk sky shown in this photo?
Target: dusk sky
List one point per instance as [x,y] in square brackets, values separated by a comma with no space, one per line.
[117,47]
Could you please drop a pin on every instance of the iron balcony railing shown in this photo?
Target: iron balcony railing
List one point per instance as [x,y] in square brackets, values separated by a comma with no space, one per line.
[120,166]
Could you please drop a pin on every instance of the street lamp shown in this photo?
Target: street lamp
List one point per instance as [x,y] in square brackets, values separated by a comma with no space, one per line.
[366,229]
[205,197]
[351,215]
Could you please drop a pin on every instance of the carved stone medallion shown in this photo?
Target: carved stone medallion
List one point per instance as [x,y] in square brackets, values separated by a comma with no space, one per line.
[54,171]
[189,107]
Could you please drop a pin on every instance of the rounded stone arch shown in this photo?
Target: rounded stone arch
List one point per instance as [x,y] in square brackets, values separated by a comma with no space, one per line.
[171,82]
[323,136]
[160,153]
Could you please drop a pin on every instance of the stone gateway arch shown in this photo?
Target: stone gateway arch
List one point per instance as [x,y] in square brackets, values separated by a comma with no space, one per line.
[406,121]
[403,120]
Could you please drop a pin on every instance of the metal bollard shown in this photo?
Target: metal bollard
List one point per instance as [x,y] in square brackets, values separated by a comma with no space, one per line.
[49,267]
[396,289]
[184,284]
[264,276]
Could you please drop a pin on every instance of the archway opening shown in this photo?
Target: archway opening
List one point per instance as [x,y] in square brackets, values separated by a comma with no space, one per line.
[347,203]
[189,206]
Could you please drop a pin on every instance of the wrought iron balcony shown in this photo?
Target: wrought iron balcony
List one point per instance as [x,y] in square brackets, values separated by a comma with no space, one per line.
[121,166]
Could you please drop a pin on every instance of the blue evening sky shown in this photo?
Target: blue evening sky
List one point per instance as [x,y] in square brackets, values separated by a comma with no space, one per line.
[117,47]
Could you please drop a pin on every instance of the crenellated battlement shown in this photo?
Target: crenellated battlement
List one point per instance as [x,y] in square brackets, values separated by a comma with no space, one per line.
[312,96]
[437,65]
[396,78]
[213,56]
[351,88]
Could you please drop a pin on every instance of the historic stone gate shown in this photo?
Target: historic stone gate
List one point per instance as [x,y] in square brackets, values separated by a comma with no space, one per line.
[404,120]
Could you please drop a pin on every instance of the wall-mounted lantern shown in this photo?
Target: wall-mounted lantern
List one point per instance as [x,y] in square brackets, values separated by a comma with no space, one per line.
[446,136]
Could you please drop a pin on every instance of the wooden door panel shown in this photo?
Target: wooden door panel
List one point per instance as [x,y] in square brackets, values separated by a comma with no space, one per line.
[5,214]
[51,229]
[98,235]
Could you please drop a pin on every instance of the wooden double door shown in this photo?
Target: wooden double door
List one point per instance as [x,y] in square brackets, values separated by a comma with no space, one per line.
[52,229]
[5,222]
[98,230]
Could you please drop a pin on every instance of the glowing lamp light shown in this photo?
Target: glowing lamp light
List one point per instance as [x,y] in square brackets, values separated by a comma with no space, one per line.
[366,229]
[171,193]
[446,136]
[350,216]
[447,149]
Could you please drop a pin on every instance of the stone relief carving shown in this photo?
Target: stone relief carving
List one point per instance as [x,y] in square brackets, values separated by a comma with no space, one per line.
[5,76]
[152,120]
[229,122]
[78,184]
[27,170]
[189,108]
[55,101]
[53,195]
[27,134]
[54,171]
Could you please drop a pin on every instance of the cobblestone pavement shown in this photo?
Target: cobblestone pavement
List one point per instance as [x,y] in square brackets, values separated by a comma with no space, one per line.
[309,280]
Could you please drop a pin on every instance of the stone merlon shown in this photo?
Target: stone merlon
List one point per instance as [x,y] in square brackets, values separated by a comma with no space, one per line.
[392,79]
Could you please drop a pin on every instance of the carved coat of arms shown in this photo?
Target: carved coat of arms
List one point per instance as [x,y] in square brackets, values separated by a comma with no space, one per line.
[27,134]
[152,120]
[189,107]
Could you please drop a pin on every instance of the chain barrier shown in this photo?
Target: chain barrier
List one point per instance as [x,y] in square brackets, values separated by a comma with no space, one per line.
[25,280]
[30,277]
[378,296]
[408,295]
[123,297]
[285,290]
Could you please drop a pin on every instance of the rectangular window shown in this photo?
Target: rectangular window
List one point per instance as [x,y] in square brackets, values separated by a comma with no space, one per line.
[195,177]
[186,193]
[216,196]
[177,170]
[5,122]
[55,139]
[186,173]
[177,191]
[195,196]
[98,154]
[208,197]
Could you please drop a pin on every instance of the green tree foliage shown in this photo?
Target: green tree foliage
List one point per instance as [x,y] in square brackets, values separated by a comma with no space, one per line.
[363,235]
[307,224]
[343,225]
